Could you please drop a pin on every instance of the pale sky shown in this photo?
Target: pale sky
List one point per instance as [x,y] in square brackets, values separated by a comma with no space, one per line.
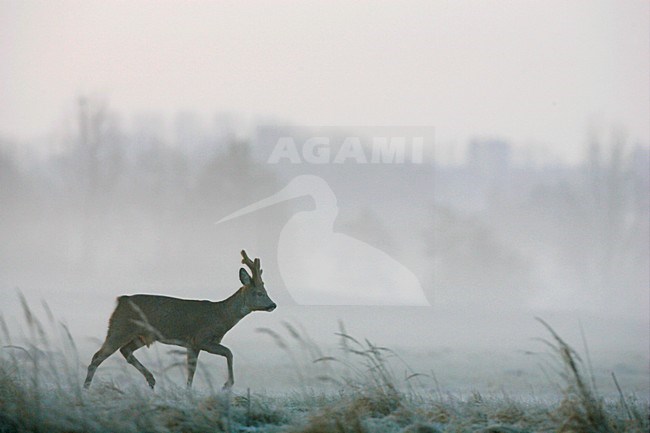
[532,72]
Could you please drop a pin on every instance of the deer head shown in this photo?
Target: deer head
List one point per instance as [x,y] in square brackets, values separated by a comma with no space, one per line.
[255,294]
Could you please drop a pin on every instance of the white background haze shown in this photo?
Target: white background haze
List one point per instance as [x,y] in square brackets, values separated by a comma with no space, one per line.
[127,129]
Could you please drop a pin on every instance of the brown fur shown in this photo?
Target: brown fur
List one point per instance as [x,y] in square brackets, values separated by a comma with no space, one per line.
[141,320]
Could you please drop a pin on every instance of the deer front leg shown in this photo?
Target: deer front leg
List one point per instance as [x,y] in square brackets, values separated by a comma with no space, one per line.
[192,357]
[219,349]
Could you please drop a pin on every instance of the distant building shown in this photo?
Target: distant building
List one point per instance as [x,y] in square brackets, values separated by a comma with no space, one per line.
[489,157]
[489,164]
[641,161]
[188,131]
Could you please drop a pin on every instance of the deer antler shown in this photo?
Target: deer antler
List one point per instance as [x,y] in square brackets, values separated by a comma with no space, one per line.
[254,266]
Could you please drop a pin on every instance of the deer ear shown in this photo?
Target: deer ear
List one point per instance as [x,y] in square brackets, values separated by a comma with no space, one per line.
[244,277]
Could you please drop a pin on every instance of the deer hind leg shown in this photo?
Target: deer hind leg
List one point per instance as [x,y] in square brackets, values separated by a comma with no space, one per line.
[192,358]
[108,348]
[127,350]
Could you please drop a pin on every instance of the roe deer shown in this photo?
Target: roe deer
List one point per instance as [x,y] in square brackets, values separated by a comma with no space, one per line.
[140,320]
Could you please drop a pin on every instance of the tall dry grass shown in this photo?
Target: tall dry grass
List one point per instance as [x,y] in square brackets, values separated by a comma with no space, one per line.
[360,387]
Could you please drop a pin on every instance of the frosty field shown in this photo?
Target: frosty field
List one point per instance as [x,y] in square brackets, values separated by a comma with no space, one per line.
[450,201]
[355,387]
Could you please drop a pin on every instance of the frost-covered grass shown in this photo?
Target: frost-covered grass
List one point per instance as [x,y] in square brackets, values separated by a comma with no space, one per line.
[41,391]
